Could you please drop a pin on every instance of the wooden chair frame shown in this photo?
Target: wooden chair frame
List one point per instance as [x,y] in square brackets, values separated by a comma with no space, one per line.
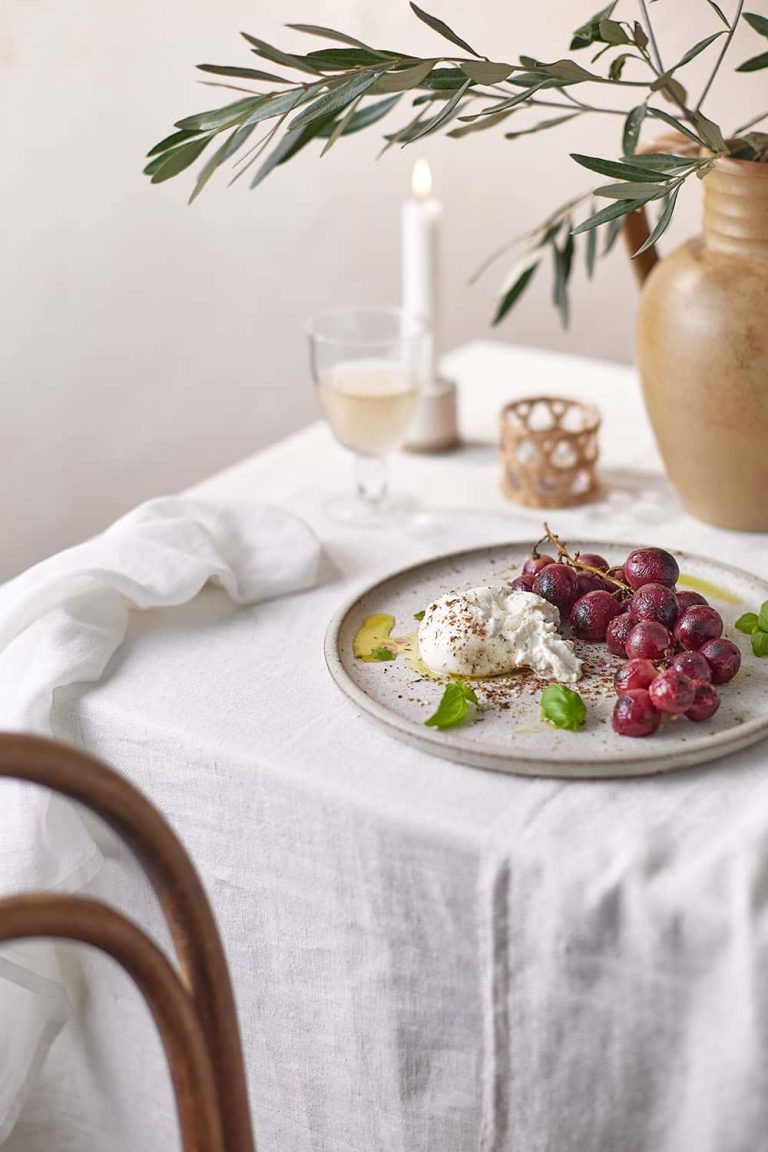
[193,1008]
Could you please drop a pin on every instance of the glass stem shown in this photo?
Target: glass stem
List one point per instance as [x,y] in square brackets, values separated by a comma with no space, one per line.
[371,479]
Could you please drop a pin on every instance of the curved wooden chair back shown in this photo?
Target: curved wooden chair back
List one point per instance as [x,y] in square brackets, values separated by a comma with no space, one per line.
[193,1007]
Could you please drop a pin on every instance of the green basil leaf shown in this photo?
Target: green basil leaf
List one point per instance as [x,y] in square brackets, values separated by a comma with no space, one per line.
[420,615]
[382,654]
[442,28]
[454,707]
[762,619]
[747,623]
[760,642]
[563,707]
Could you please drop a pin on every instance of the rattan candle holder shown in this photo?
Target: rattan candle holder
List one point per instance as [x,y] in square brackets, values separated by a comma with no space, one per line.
[549,452]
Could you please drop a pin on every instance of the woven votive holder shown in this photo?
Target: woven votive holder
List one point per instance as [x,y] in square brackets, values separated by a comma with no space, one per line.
[549,452]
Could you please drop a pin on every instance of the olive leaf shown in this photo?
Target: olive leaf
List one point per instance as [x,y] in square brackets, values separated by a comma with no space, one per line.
[589,33]
[171,163]
[618,169]
[175,138]
[485,71]
[241,73]
[542,125]
[612,212]
[355,119]
[719,12]
[332,101]
[328,34]
[662,224]
[710,133]
[445,114]
[630,191]
[760,25]
[275,56]
[223,117]
[401,79]
[519,284]
[632,126]
[442,28]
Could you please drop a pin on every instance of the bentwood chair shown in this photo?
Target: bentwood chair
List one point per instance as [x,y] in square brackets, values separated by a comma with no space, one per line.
[192,1003]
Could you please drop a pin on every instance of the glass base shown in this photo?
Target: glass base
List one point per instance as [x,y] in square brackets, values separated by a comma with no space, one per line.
[356,512]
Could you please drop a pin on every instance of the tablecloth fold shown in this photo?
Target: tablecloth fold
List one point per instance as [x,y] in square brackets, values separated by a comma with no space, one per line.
[60,624]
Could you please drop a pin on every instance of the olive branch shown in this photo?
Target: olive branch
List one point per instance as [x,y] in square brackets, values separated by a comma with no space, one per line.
[349,87]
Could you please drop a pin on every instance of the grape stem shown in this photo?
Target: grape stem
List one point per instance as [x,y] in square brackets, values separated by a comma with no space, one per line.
[565,557]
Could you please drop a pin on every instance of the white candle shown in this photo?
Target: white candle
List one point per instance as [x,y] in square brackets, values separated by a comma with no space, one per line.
[420,263]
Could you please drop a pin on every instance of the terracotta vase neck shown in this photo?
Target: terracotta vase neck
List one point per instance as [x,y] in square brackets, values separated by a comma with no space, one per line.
[736,209]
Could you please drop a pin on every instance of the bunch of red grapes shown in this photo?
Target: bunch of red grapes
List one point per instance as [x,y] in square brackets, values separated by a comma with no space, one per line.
[672,641]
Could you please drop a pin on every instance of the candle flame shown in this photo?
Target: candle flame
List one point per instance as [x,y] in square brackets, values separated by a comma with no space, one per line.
[422,180]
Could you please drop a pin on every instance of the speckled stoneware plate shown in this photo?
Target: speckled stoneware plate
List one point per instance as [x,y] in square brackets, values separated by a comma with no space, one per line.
[509,735]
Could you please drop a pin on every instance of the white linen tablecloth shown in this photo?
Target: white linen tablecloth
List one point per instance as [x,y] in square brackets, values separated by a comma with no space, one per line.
[426,956]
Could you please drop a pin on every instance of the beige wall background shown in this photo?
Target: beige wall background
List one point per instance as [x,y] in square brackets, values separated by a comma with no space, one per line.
[144,344]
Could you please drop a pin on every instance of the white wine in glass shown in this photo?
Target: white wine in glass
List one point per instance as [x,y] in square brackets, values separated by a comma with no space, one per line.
[365,365]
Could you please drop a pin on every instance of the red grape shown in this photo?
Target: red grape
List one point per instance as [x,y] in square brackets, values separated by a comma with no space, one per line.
[672,692]
[650,566]
[616,634]
[687,600]
[558,584]
[634,674]
[522,583]
[591,615]
[698,624]
[649,640]
[706,701]
[592,560]
[723,657]
[693,664]
[589,583]
[634,715]
[654,602]
[535,564]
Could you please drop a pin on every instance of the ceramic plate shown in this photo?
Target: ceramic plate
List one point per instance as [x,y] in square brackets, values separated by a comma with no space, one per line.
[509,735]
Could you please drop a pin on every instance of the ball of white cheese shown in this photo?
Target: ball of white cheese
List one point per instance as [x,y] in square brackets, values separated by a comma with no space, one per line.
[489,630]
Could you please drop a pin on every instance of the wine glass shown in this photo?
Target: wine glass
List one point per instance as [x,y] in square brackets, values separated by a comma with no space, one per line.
[365,363]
